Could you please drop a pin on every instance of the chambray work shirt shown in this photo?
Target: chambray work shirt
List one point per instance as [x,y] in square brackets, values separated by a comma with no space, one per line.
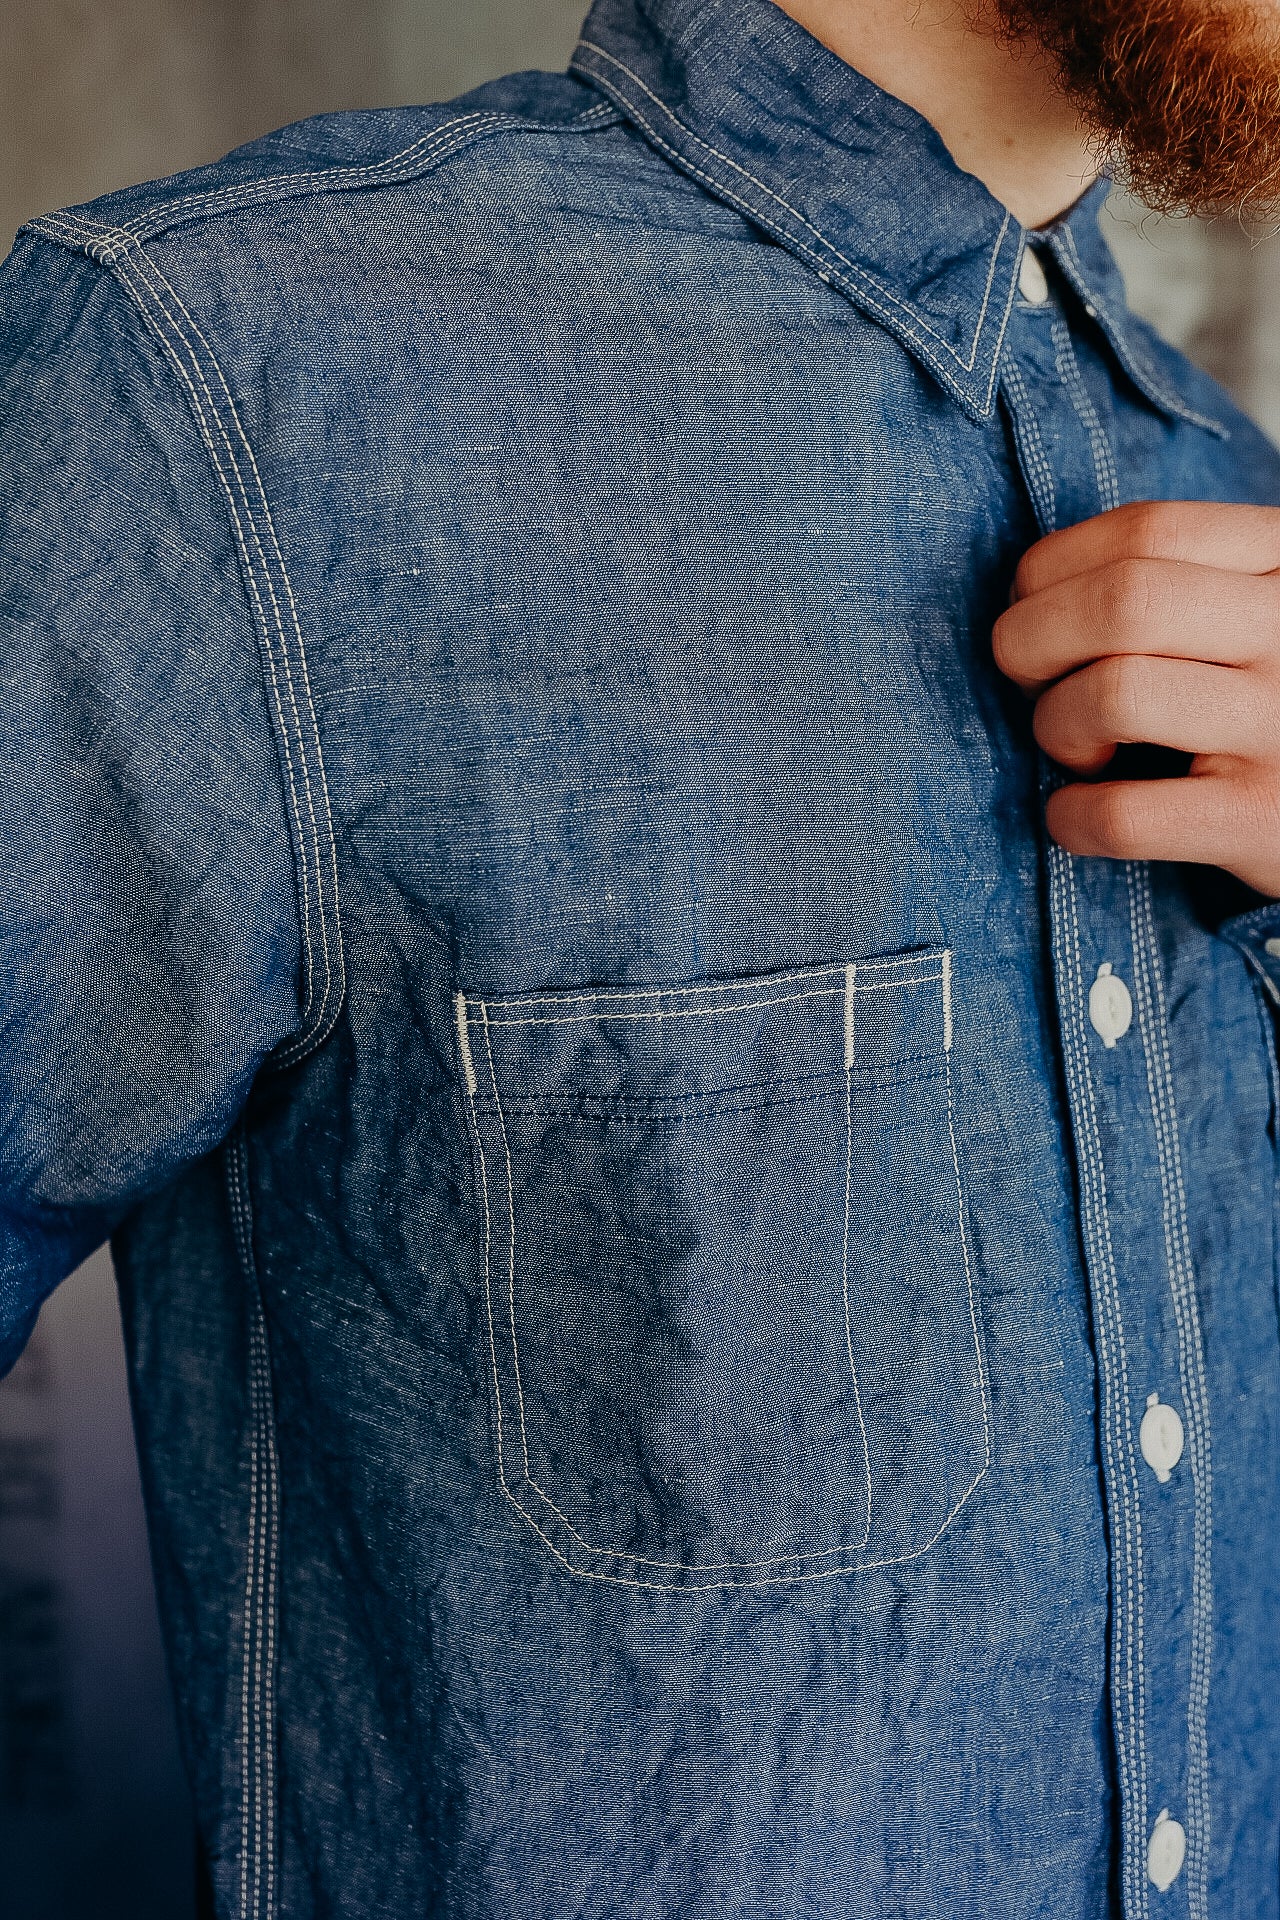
[701,1300]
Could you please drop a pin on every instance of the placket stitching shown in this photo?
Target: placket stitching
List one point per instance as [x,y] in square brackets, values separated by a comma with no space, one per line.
[1128,1652]
[1153,1024]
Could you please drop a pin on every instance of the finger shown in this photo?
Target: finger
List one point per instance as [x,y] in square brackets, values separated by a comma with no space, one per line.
[1234,539]
[1082,719]
[1139,606]
[1216,819]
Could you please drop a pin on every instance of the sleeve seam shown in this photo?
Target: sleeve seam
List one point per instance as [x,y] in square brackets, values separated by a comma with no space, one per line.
[282,661]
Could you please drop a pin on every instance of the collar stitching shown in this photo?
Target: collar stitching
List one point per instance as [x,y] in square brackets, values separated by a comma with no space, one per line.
[1138,362]
[859,273]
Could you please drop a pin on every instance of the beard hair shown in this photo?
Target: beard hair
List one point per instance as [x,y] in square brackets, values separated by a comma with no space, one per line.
[1183,96]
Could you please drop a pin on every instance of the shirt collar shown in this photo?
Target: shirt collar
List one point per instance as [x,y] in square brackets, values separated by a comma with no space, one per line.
[851,179]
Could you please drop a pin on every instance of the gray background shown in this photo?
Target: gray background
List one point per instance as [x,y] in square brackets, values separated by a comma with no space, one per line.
[94,93]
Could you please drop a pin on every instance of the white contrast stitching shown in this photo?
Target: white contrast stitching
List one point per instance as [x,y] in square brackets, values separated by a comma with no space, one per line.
[464,1042]
[1027,429]
[291,1053]
[849,975]
[711,1013]
[1128,1669]
[860,272]
[440,144]
[1109,496]
[791,1559]
[1138,365]
[590,1547]
[947,1024]
[673,1013]
[411,158]
[848,1191]
[1153,1021]
[1104,465]
[1129,1652]
[917,957]
[319,1016]
[1135,1817]
[258,1654]
[693,1013]
[251,575]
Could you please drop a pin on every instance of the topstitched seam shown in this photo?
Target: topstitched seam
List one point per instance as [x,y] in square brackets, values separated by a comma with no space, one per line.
[254,588]
[1128,1655]
[696,1585]
[589,1546]
[440,144]
[662,1118]
[258,1789]
[1153,1021]
[753,983]
[332,968]
[695,1013]
[1139,365]
[240,511]
[1027,428]
[317,1019]
[1109,495]
[861,273]
[848,1317]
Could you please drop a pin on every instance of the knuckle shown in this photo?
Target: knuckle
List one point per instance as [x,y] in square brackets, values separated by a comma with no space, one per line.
[1118,821]
[1127,598]
[1124,694]
[1033,571]
[1150,528]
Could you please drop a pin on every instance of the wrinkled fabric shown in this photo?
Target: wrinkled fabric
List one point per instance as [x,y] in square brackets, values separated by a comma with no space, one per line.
[701,1300]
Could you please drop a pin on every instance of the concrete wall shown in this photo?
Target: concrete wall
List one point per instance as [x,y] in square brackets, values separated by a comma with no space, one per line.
[95,93]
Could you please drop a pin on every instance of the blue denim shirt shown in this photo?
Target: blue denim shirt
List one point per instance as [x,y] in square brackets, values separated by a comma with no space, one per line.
[701,1299]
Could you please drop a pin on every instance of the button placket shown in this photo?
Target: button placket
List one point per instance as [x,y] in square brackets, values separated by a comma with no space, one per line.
[1125,1129]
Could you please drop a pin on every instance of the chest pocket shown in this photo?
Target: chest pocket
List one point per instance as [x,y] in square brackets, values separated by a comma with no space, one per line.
[729,1303]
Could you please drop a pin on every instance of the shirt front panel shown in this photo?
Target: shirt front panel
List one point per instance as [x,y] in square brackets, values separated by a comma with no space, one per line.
[698,1302]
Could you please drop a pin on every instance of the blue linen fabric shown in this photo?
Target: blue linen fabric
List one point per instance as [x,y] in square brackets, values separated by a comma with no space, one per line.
[701,1300]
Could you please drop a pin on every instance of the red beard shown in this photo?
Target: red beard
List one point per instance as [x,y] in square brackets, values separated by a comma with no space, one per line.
[1184,95]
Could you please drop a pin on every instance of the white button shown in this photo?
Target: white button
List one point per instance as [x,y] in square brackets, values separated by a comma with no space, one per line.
[1273,948]
[1166,1851]
[1032,284]
[1110,1006]
[1161,1437]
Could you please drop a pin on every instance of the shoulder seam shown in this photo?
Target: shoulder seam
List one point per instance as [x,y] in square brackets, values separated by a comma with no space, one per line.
[108,243]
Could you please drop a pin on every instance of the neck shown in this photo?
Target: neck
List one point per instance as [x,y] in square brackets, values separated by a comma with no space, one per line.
[996,106]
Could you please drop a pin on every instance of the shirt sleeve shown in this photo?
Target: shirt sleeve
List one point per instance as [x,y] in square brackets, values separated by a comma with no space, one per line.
[149,922]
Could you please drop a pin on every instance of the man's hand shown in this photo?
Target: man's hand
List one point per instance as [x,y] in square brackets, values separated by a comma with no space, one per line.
[1158,623]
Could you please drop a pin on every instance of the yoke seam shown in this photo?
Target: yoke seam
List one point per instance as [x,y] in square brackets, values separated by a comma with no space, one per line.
[106,243]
